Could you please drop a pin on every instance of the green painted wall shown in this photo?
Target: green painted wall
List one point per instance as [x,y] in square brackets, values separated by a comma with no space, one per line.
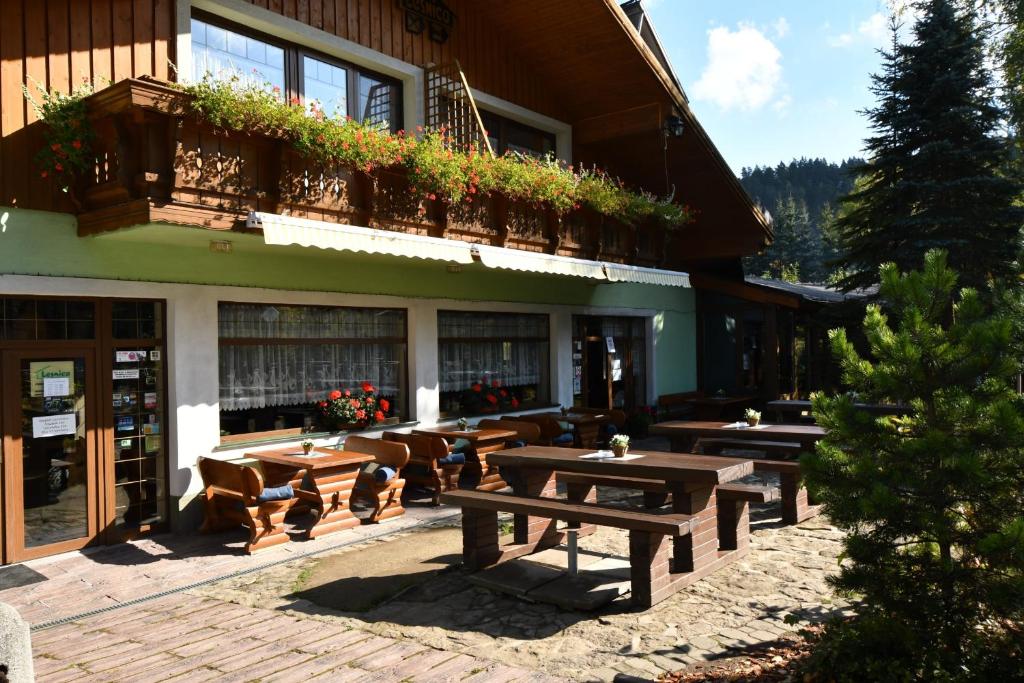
[41,243]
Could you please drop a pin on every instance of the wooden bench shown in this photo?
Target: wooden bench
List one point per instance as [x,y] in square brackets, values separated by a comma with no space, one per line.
[649,564]
[783,449]
[230,492]
[550,428]
[423,468]
[528,432]
[677,406]
[385,498]
[733,509]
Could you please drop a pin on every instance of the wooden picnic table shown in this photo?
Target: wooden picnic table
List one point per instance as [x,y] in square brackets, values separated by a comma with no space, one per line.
[484,441]
[691,479]
[331,475]
[712,407]
[802,408]
[684,433]
[586,426]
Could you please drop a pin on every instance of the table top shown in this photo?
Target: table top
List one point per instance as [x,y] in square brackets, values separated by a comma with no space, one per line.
[791,432]
[580,418]
[720,400]
[472,436]
[705,469]
[316,460]
[804,405]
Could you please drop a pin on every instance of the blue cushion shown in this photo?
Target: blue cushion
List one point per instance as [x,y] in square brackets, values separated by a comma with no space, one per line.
[460,445]
[566,427]
[276,493]
[384,474]
[610,429]
[562,439]
[452,459]
[519,443]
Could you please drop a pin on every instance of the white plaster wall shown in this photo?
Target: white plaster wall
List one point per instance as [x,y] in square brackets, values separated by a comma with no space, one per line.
[191,348]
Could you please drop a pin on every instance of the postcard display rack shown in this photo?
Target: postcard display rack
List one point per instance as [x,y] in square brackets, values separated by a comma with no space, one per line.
[139,438]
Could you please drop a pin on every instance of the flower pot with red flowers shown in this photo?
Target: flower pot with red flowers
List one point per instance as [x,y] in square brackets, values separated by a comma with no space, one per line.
[348,409]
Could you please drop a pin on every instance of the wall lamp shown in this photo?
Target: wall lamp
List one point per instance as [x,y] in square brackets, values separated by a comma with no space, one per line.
[674,127]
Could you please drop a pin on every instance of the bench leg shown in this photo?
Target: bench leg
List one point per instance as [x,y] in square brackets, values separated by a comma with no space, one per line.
[733,524]
[479,538]
[682,444]
[795,505]
[266,525]
[649,576]
[654,499]
[582,493]
[541,531]
[700,548]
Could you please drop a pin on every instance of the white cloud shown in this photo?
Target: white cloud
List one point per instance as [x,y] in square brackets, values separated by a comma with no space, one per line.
[781,105]
[780,27]
[743,70]
[873,31]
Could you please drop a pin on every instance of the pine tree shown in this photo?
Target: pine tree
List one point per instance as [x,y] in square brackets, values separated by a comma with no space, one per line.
[796,249]
[935,175]
[932,502]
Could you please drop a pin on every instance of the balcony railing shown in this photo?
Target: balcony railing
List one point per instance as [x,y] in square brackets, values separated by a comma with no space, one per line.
[158,162]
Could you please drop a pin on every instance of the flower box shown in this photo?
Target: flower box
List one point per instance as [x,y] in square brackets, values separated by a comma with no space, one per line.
[394,206]
[325,192]
[478,221]
[528,226]
[577,233]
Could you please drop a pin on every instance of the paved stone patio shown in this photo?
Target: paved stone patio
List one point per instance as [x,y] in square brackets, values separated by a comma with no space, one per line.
[251,626]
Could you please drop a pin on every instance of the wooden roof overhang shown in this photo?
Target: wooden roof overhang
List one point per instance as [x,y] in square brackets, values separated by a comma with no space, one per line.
[617,95]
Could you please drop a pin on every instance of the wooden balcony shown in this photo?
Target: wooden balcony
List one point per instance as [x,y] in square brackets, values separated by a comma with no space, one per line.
[157,162]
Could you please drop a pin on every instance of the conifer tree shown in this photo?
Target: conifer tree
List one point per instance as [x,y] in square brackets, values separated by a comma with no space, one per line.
[932,502]
[935,175]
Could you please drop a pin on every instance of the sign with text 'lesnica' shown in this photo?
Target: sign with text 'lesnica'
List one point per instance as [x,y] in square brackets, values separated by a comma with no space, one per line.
[431,15]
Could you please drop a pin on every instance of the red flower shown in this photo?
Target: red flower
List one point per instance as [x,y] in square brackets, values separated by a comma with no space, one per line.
[55,147]
[354,403]
[378,416]
[43,174]
[347,393]
[58,168]
[385,405]
[492,399]
[294,100]
[334,395]
[323,404]
[477,388]
[360,415]
[368,388]
[503,393]
[495,383]
[515,402]
[77,144]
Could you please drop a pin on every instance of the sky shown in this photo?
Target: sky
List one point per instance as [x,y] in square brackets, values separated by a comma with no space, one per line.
[775,80]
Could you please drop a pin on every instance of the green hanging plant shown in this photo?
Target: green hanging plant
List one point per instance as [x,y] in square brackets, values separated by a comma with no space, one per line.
[69,136]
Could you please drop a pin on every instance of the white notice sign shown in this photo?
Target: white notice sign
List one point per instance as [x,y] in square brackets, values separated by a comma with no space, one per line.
[132,373]
[53,425]
[56,386]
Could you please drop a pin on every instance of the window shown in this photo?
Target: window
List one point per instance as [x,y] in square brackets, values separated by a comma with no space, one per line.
[340,89]
[491,362]
[507,136]
[277,362]
[46,319]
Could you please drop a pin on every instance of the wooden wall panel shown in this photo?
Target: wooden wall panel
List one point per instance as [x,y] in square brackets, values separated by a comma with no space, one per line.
[60,44]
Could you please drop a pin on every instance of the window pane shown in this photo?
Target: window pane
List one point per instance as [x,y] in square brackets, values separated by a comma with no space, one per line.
[222,53]
[377,102]
[492,362]
[325,84]
[269,384]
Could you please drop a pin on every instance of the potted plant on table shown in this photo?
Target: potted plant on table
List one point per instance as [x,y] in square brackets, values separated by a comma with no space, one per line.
[752,417]
[619,444]
[463,424]
[307,446]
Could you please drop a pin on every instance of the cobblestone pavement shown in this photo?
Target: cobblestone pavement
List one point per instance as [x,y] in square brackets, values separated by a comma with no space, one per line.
[187,638]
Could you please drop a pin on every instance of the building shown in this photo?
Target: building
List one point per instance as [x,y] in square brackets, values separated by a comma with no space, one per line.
[192,294]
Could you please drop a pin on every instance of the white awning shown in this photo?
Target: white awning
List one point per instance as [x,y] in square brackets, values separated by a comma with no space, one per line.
[285,230]
[537,262]
[618,272]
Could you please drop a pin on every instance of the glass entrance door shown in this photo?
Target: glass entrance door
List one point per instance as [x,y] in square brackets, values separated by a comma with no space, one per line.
[49,452]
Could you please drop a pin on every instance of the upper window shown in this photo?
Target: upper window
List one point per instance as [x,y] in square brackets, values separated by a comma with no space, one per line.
[507,136]
[340,89]
[492,362]
[278,362]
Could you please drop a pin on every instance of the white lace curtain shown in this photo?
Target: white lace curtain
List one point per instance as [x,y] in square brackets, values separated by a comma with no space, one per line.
[261,321]
[513,363]
[264,375]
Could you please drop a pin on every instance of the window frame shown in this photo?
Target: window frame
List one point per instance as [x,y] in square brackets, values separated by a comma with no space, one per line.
[294,73]
[293,432]
[504,122]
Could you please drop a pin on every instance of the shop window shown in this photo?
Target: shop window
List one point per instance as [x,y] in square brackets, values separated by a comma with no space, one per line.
[492,362]
[339,89]
[277,362]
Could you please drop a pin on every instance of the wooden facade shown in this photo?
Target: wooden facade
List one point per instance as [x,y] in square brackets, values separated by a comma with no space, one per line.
[604,82]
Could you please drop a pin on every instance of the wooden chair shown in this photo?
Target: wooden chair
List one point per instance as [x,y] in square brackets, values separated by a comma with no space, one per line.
[527,432]
[385,497]
[423,468]
[550,429]
[677,406]
[230,492]
[616,418]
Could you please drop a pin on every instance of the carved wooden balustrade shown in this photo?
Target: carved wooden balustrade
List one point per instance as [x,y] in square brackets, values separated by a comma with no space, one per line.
[157,162]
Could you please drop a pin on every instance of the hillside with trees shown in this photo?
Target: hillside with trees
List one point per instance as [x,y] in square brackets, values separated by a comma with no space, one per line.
[802,197]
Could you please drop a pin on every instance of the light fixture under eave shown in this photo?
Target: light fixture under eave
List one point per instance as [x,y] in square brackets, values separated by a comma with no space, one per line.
[454,267]
[674,127]
[221,246]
